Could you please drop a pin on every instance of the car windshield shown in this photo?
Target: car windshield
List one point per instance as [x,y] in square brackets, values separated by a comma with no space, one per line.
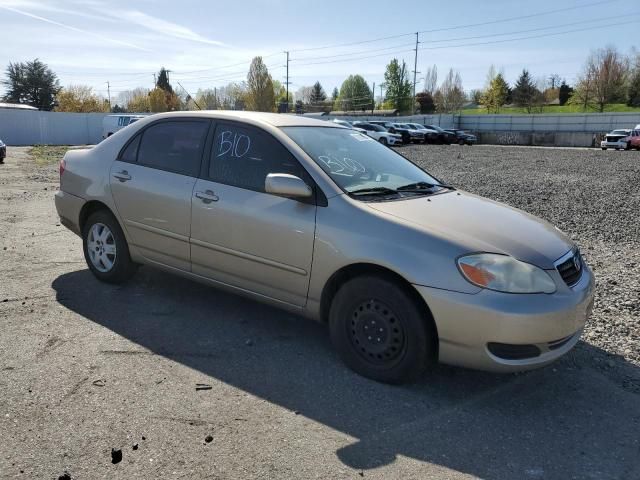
[619,132]
[436,128]
[357,162]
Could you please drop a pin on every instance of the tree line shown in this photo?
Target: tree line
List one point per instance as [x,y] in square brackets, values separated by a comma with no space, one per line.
[607,77]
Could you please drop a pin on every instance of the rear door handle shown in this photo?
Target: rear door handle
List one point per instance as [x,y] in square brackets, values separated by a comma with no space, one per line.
[123,176]
[207,196]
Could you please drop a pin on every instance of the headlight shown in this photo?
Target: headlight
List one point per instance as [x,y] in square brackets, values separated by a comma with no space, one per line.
[505,274]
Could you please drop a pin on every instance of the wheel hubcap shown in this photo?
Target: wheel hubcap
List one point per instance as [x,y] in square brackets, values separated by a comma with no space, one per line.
[101,246]
[376,333]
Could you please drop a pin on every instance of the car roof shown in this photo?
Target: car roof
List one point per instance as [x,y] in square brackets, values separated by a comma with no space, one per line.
[274,119]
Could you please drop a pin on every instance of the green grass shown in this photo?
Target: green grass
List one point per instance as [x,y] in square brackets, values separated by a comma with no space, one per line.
[557,109]
[47,154]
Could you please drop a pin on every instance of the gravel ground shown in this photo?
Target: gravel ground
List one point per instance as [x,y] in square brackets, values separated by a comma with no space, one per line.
[86,368]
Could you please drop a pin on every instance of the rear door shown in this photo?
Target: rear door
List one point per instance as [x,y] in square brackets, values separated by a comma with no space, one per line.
[152,182]
[242,236]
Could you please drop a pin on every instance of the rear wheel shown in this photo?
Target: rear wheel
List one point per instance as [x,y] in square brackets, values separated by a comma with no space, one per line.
[379,330]
[603,148]
[105,248]
[461,142]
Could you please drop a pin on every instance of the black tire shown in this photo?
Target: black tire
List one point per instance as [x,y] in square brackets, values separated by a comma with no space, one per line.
[383,141]
[460,142]
[407,341]
[603,148]
[123,268]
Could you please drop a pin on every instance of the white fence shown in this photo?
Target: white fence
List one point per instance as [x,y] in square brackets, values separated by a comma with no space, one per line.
[18,127]
[25,127]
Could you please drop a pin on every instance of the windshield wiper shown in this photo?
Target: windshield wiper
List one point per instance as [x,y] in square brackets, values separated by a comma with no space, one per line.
[374,191]
[421,186]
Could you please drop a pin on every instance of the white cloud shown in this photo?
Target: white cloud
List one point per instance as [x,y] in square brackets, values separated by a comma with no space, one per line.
[164,27]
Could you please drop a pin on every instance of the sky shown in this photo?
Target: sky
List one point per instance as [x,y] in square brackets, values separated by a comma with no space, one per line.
[208,44]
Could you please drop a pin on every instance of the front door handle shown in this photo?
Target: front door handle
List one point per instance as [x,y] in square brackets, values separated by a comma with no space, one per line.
[123,176]
[207,196]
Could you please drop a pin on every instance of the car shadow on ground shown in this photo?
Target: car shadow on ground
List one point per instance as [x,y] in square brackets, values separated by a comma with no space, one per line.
[570,420]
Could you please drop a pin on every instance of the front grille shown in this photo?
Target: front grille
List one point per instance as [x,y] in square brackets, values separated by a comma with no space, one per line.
[571,269]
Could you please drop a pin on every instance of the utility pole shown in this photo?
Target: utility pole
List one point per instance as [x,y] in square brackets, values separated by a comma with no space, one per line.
[287,83]
[155,81]
[109,94]
[415,65]
[373,105]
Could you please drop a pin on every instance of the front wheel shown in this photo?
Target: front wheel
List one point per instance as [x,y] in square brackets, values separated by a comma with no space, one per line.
[379,330]
[105,248]
[460,142]
[383,141]
[603,148]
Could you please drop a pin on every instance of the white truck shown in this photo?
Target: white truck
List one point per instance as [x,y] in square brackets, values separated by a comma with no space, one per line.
[112,123]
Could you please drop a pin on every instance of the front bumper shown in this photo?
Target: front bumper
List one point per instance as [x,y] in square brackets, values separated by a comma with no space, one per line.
[393,140]
[619,144]
[468,323]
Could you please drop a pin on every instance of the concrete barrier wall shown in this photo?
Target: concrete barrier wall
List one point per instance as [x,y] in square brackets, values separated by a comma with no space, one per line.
[25,127]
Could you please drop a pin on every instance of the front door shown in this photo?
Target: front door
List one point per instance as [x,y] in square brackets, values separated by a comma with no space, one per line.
[242,236]
[152,183]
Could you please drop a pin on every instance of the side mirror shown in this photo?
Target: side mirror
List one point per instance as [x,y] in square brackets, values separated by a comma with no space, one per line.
[287,185]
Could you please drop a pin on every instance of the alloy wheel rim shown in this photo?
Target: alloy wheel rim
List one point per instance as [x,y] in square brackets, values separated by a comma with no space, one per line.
[101,246]
[376,333]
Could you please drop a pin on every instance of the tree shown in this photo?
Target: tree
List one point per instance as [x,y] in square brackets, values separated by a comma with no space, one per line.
[425,100]
[163,80]
[207,99]
[398,88]
[450,95]
[303,94]
[633,89]
[496,94]
[431,80]
[317,94]
[260,96]
[81,99]
[554,80]
[31,83]
[525,93]
[335,94]
[564,93]
[603,79]
[139,102]
[355,94]
[118,109]
[158,100]
[475,96]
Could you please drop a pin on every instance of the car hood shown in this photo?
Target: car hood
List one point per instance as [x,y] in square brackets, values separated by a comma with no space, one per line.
[477,224]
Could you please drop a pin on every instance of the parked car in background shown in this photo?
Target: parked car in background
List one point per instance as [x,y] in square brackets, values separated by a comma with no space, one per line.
[3,151]
[633,140]
[112,123]
[430,136]
[350,125]
[616,139]
[406,271]
[463,137]
[415,135]
[379,133]
[444,136]
[394,128]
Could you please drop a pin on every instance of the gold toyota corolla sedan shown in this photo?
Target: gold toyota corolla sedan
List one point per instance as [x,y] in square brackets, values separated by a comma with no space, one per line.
[325,221]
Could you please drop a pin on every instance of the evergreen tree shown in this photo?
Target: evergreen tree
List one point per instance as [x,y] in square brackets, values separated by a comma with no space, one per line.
[565,93]
[163,81]
[496,94]
[335,94]
[525,93]
[317,94]
[31,83]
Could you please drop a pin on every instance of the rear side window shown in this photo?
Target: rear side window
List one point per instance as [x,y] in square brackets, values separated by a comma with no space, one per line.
[244,156]
[174,146]
[130,153]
